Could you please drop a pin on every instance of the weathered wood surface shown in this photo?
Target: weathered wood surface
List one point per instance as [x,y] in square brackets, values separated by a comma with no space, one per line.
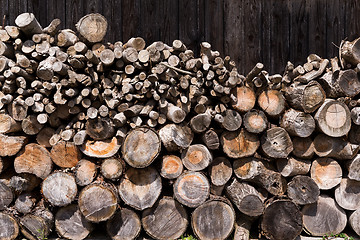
[125,224]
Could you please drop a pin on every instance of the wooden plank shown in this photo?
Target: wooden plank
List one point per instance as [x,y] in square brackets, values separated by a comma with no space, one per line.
[130,19]
[266,28]
[55,9]
[188,24]
[214,24]
[352,23]
[4,11]
[317,27]
[112,12]
[335,10]
[16,7]
[169,16]
[74,11]
[150,17]
[95,6]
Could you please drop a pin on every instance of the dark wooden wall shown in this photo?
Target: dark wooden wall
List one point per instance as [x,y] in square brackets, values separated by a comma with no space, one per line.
[269,31]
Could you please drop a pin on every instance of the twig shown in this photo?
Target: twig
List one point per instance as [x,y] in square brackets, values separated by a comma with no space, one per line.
[178,70]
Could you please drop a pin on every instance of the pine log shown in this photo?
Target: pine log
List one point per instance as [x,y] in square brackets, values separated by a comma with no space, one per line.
[324,217]
[196,157]
[112,168]
[303,190]
[305,97]
[246,198]
[213,220]
[101,149]
[70,224]
[355,221]
[272,102]
[28,24]
[97,202]
[276,143]
[255,121]
[34,159]
[9,228]
[140,147]
[333,118]
[25,203]
[239,144]
[288,220]
[303,147]
[245,99]
[99,128]
[347,194]
[85,172]
[353,167]
[171,167]
[124,225]
[290,166]
[140,188]
[326,172]
[297,123]
[211,139]
[59,189]
[11,145]
[175,137]
[191,189]
[220,171]
[254,170]
[8,124]
[92,27]
[167,219]
[6,196]
[200,123]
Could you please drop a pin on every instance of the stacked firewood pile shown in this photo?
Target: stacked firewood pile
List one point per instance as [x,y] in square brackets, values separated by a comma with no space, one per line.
[153,139]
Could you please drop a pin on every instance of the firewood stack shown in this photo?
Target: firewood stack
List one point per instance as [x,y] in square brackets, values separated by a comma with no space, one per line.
[153,140]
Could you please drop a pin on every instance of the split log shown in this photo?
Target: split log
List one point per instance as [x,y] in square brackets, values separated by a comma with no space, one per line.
[303,147]
[140,188]
[9,228]
[220,171]
[112,168]
[28,24]
[25,203]
[85,172]
[305,97]
[333,118]
[34,159]
[196,157]
[246,198]
[355,221]
[324,217]
[347,194]
[288,224]
[124,225]
[6,196]
[167,219]
[8,124]
[297,123]
[276,143]
[252,169]
[191,189]
[245,99]
[59,189]
[326,172]
[92,27]
[171,167]
[213,220]
[211,139]
[290,166]
[255,121]
[65,154]
[70,224]
[140,147]
[303,190]
[239,144]
[175,137]
[97,202]
[99,128]
[11,145]
[272,102]
[101,149]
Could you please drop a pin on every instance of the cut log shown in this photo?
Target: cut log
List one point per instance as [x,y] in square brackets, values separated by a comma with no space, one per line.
[34,159]
[307,97]
[6,196]
[24,182]
[239,144]
[242,227]
[34,227]
[347,194]
[124,225]
[167,219]
[349,51]
[303,190]
[9,228]
[303,147]
[18,109]
[140,147]
[30,125]
[11,145]
[288,220]
[349,83]
[200,123]
[220,171]
[211,139]
[171,167]
[66,38]
[92,27]
[353,166]
[99,128]
[176,137]
[354,221]
[44,136]
[59,189]
[245,99]
[8,124]
[28,24]
[255,121]
[191,189]
[333,118]
[101,149]
[272,102]
[276,143]
[196,157]
[140,188]
[70,224]
[252,169]
[298,123]
[213,220]
[232,120]
[98,202]
[85,172]
[290,166]
[25,203]
[112,168]
[355,115]
[324,217]
[65,154]
[326,172]
[246,198]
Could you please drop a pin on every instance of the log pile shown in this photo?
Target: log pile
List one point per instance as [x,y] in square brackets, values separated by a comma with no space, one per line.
[154,141]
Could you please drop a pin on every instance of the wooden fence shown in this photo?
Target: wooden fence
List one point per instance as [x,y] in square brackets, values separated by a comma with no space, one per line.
[269,31]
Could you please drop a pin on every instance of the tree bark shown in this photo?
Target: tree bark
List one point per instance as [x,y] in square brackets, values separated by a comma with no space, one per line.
[6,196]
